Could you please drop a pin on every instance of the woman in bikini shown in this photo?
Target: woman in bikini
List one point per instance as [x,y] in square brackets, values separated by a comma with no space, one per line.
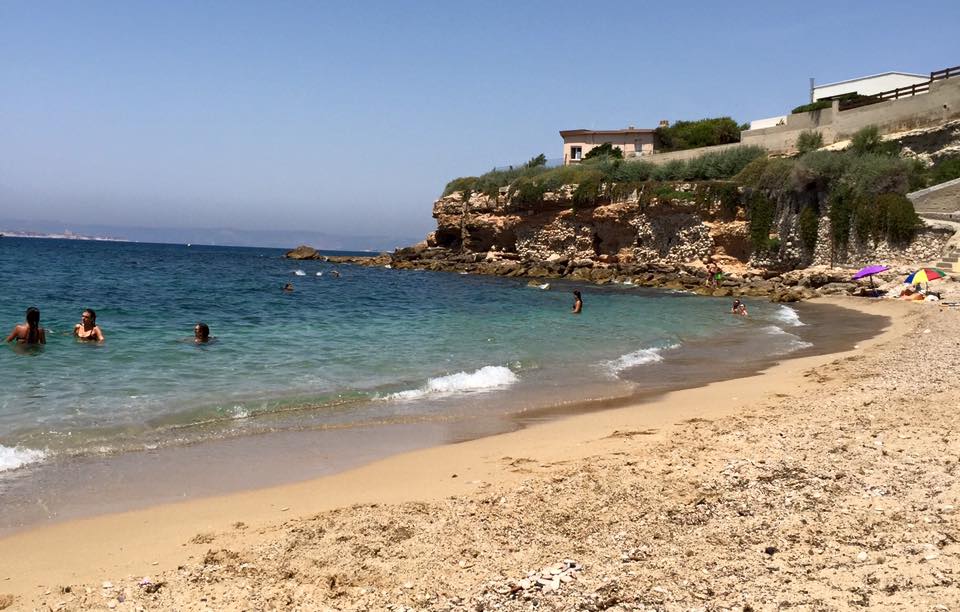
[577,302]
[29,333]
[87,329]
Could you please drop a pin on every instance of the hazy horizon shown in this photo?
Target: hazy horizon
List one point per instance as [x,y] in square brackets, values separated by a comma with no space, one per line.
[346,121]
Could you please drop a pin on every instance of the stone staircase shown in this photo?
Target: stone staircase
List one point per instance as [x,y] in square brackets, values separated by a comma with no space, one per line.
[949,263]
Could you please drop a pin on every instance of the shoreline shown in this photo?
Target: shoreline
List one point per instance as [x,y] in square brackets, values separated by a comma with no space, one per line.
[76,487]
[161,538]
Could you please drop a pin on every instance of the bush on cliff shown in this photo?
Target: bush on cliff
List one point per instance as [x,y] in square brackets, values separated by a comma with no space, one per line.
[809,140]
[684,135]
[711,166]
[864,189]
[604,150]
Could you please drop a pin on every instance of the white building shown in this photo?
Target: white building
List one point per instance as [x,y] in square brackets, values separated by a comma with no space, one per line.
[865,86]
[868,85]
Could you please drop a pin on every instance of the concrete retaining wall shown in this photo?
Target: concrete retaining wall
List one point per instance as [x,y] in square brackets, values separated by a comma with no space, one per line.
[942,198]
[940,104]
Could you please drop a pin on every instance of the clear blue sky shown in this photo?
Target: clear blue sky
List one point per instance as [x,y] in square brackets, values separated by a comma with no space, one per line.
[348,118]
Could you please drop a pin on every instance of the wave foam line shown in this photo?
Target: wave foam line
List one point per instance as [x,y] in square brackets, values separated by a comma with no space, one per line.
[486,378]
[789,316]
[17,457]
[636,358]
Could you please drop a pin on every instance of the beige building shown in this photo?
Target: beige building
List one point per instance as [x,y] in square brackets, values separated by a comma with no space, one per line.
[632,141]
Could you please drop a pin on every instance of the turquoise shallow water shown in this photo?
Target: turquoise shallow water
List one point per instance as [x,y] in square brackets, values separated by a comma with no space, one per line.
[374,345]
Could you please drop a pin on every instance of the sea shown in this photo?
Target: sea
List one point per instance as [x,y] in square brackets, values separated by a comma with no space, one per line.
[356,362]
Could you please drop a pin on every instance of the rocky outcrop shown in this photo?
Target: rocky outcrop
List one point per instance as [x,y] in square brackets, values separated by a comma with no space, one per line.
[303,252]
[658,235]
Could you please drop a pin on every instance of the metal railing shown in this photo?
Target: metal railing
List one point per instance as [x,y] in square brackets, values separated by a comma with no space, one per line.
[551,163]
[901,92]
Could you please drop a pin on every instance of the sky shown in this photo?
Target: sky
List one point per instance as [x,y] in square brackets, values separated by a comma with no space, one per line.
[346,119]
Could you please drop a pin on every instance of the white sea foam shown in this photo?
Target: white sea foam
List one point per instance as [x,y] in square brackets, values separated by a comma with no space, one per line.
[299,272]
[636,358]
[319,273]
[13,458]
[788,315]
[795,343]
[485,379]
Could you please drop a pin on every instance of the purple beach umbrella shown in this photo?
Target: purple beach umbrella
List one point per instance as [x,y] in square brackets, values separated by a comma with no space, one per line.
[870,271]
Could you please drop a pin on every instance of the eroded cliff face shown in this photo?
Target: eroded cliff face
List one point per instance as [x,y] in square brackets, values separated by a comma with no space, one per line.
[658,224]
[687,224]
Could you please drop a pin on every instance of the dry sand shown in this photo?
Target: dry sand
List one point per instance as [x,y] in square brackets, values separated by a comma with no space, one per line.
[827,482]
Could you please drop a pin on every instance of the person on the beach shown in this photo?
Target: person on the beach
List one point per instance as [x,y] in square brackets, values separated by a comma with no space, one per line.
[87,329]
[201,333]
[288,287]
[577,302]
[713,274]
[29,333]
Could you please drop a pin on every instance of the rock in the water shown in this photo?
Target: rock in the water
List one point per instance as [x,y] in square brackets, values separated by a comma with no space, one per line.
[302,252]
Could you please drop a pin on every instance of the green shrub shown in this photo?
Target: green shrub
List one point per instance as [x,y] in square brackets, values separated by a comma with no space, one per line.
[902,221]
[945,170]
[841,212]
[766,174]
[809,226]
[604,150]
[773,245]
[464,183]
[527,192]
[813,106]
[695,134]
[868,140]
[588,190]
[809,140]
[761,211]
[729,195]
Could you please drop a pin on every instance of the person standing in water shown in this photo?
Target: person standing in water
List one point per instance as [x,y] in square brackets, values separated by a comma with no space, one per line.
[29,333]
[577,302]
[87,328]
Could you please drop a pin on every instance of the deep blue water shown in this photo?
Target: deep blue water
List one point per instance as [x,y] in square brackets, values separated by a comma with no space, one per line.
[374,344]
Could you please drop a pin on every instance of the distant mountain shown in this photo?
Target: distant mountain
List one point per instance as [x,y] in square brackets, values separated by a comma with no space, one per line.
[215,236]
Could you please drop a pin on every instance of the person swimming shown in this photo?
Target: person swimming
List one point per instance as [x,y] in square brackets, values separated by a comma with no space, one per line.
[738,308]
[288,287]
[201,333]
[29,333]
[87,329]
[577,302]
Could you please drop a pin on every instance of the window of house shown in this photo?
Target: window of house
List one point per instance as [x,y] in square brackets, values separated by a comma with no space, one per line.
[576,152]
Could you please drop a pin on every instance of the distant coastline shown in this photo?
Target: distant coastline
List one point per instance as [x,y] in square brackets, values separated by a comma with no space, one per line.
[65,235]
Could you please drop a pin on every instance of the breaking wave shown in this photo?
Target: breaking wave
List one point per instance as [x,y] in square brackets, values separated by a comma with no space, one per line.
[636,358]
[13,458]
[486,378]
[789,316]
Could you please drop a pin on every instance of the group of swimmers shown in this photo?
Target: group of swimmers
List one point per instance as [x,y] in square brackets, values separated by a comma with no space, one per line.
[87,330]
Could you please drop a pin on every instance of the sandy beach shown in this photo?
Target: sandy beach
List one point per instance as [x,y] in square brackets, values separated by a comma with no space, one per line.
[825,482]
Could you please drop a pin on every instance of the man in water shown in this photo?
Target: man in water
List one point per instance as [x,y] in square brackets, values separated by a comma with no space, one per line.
[738,308]
[288,287]
[201,333]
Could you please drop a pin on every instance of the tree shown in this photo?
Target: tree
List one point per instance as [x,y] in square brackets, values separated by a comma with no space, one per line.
[539,160]
[604,150]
